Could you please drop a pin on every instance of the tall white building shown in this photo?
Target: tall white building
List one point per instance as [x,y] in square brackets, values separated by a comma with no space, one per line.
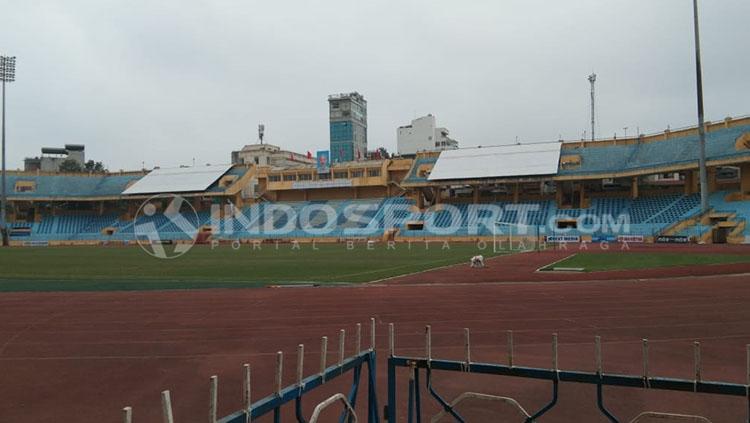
[423,135]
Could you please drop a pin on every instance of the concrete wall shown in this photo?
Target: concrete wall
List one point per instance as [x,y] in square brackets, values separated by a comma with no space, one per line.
[419,136]
[269,155]
[745,180]
[423,135]
[79,156]
[443,141]
[52,163]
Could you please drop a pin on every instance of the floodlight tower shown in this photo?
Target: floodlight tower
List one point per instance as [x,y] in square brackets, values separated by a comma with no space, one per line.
[701,128]
[261,132]
[592,80]
[7,74]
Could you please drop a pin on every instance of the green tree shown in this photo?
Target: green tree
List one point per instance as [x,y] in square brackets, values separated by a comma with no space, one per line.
[70,166]
[95,167]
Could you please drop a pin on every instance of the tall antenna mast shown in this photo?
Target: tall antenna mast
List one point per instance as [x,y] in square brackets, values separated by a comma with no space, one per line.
[261,132]
[592,80]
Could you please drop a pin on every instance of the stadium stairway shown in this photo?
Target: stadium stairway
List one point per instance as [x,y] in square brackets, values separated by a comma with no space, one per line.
[736,211]
[699,226]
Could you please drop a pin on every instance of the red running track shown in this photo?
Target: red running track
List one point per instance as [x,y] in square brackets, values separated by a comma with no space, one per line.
[523,267]
[82,356]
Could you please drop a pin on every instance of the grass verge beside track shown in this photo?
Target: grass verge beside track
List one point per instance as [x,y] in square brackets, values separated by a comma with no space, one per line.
[130,268]
[596,262]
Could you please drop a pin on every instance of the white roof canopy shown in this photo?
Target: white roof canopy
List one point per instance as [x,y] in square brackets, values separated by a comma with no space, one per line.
[183,179]
[497,162]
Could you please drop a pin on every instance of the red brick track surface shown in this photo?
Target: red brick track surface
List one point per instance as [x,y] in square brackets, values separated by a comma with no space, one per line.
[523,267]
[82,356]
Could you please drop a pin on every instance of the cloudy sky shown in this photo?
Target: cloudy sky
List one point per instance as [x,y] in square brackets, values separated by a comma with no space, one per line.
[163,82]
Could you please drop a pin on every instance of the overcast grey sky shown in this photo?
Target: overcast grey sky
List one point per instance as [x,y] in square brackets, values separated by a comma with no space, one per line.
[167,81]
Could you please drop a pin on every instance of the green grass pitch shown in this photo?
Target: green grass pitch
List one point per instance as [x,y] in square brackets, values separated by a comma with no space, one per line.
[594,262]
[130,268]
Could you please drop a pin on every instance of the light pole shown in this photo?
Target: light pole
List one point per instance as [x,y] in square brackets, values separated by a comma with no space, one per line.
[592,80]
[701,129]
[7,74]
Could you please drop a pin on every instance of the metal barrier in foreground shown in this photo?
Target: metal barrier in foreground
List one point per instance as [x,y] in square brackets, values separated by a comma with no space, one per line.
[295,393]
[427,365]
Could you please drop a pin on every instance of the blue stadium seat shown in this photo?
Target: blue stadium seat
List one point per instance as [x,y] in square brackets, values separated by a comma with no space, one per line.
[655,154]
[372,217]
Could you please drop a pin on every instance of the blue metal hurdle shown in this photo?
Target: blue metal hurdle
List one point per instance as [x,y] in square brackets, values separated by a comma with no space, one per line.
[644,381]
[272,404]
[425,366]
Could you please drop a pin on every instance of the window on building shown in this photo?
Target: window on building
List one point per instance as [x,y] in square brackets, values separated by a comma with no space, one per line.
[290,177]
[340,175]
[25,186]
[274,178]
[305,177]
[324,176]
[373,172]
[341,131]
[357,173]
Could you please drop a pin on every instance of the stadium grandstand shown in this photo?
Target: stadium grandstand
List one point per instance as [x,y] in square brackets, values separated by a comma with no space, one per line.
[644,186]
